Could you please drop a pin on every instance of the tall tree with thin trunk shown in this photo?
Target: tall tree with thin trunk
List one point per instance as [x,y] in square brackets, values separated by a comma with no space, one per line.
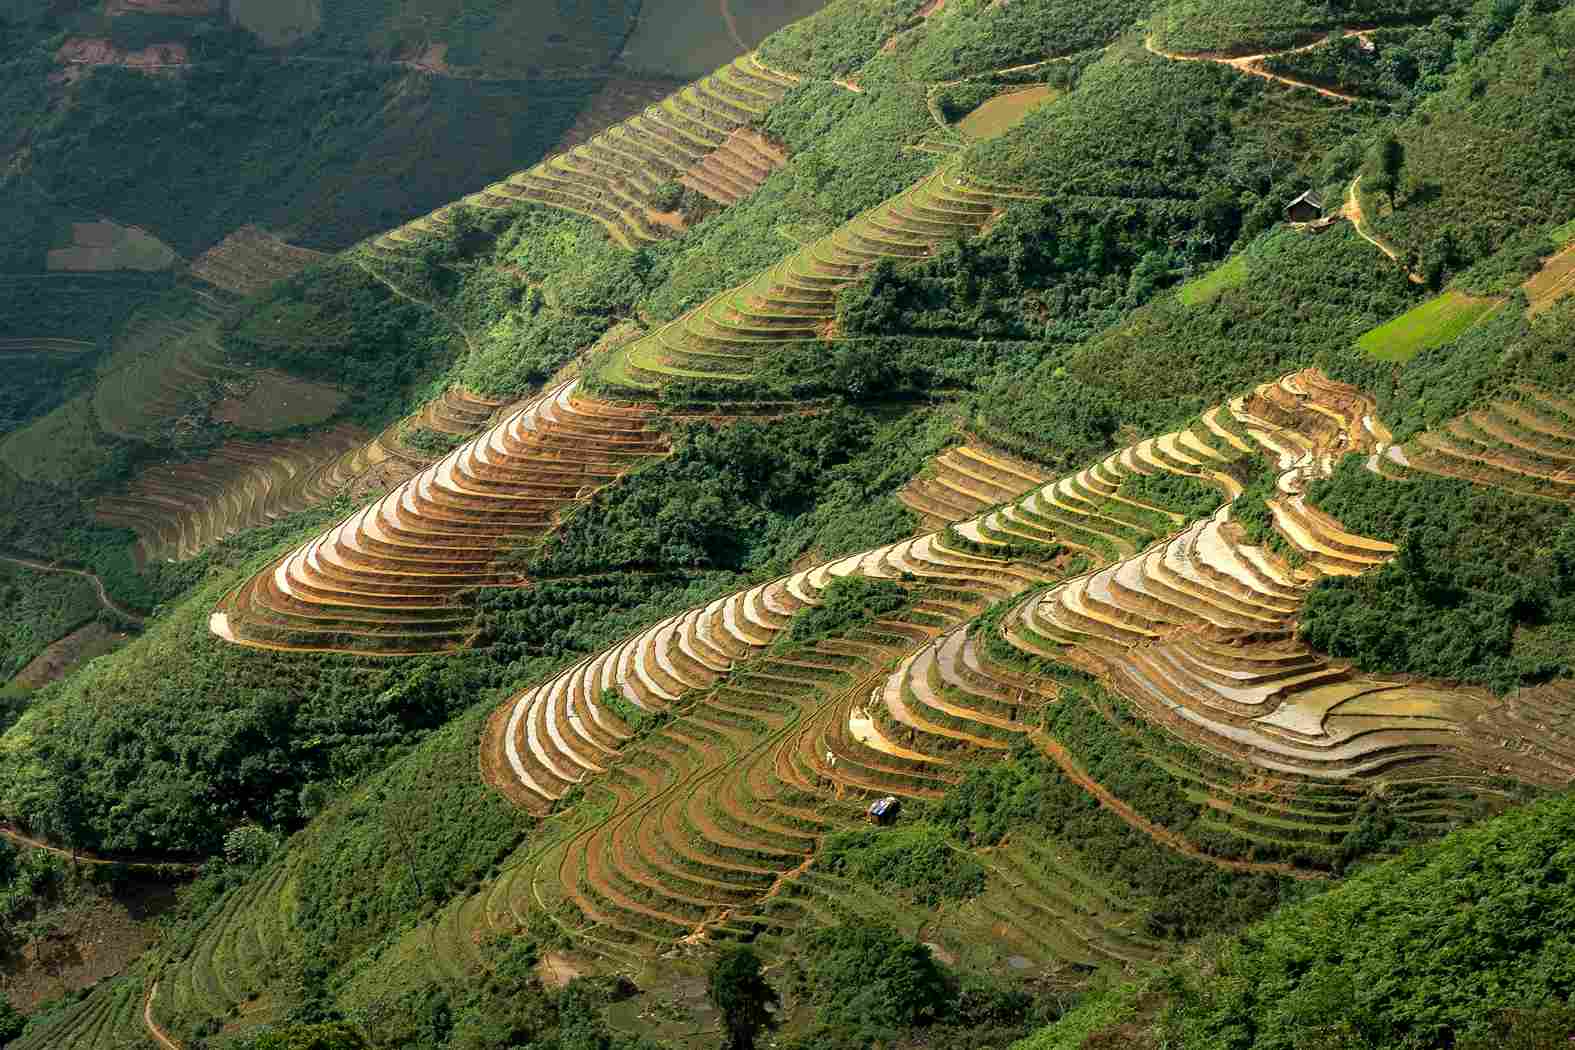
[739,990]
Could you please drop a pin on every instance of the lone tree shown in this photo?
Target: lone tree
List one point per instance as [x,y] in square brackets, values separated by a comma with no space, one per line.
[739,991]
[1388,162]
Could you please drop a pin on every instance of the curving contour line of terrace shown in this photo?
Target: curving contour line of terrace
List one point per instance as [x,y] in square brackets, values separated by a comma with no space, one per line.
[393,578]
[699,136]
[710,819]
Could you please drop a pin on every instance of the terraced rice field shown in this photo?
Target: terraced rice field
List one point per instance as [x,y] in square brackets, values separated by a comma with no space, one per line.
[704,828]
[233,958]
[391,577]
[614,177]
[1005,111]
[736,168]
[250,259]
[1436,322]
[1524,444]
[1553,282]
[965,481]
[795,300]
[166,362]
[177,510]
[110,1019]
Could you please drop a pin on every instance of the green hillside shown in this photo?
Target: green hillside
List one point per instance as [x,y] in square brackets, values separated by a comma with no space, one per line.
[1482,967]
[536,555]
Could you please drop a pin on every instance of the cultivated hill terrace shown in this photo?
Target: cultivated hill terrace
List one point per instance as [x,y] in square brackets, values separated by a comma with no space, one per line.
[797,443]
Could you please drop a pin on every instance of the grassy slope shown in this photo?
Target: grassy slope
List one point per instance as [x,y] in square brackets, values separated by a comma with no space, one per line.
[1436,322]
[1476,176]
[1429,947]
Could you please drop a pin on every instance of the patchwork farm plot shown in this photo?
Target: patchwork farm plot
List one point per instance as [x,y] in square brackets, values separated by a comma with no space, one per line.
[166,362]
[1003,112]
[106,246]
[614,178]
[1436,322]
[275,401]
[249,260]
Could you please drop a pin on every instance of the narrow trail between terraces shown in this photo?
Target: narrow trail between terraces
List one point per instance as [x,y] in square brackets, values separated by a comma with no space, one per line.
[1353,211]
[1075,773]
[1250,64]
[103,595]
[159,1035]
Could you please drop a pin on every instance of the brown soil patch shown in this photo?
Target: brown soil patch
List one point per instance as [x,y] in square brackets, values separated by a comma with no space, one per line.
[621,99]
[74,649]
[105,245]
[97,51]
[87,942]
[673,220]
[250,259]
[775,151]
[1555,280]
[433,60]
[275,401]
[557,969]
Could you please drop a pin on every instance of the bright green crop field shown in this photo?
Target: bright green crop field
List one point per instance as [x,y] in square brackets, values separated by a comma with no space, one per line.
[1436,322]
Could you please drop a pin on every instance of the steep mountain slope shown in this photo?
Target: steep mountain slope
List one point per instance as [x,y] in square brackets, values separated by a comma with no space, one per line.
[782,449]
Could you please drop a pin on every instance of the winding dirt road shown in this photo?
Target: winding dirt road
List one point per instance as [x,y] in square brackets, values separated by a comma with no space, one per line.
[1252,64]
[1353,211]
[12,834]
[103,596]
[159,1035]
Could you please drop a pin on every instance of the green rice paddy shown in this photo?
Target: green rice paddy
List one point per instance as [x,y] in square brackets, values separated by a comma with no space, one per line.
[1004,112]
[1434,323]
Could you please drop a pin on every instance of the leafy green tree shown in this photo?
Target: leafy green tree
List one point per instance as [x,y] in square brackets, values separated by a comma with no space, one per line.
[1388,161]
[739,990]
[11,1021]
[335,1036]
[867,975]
